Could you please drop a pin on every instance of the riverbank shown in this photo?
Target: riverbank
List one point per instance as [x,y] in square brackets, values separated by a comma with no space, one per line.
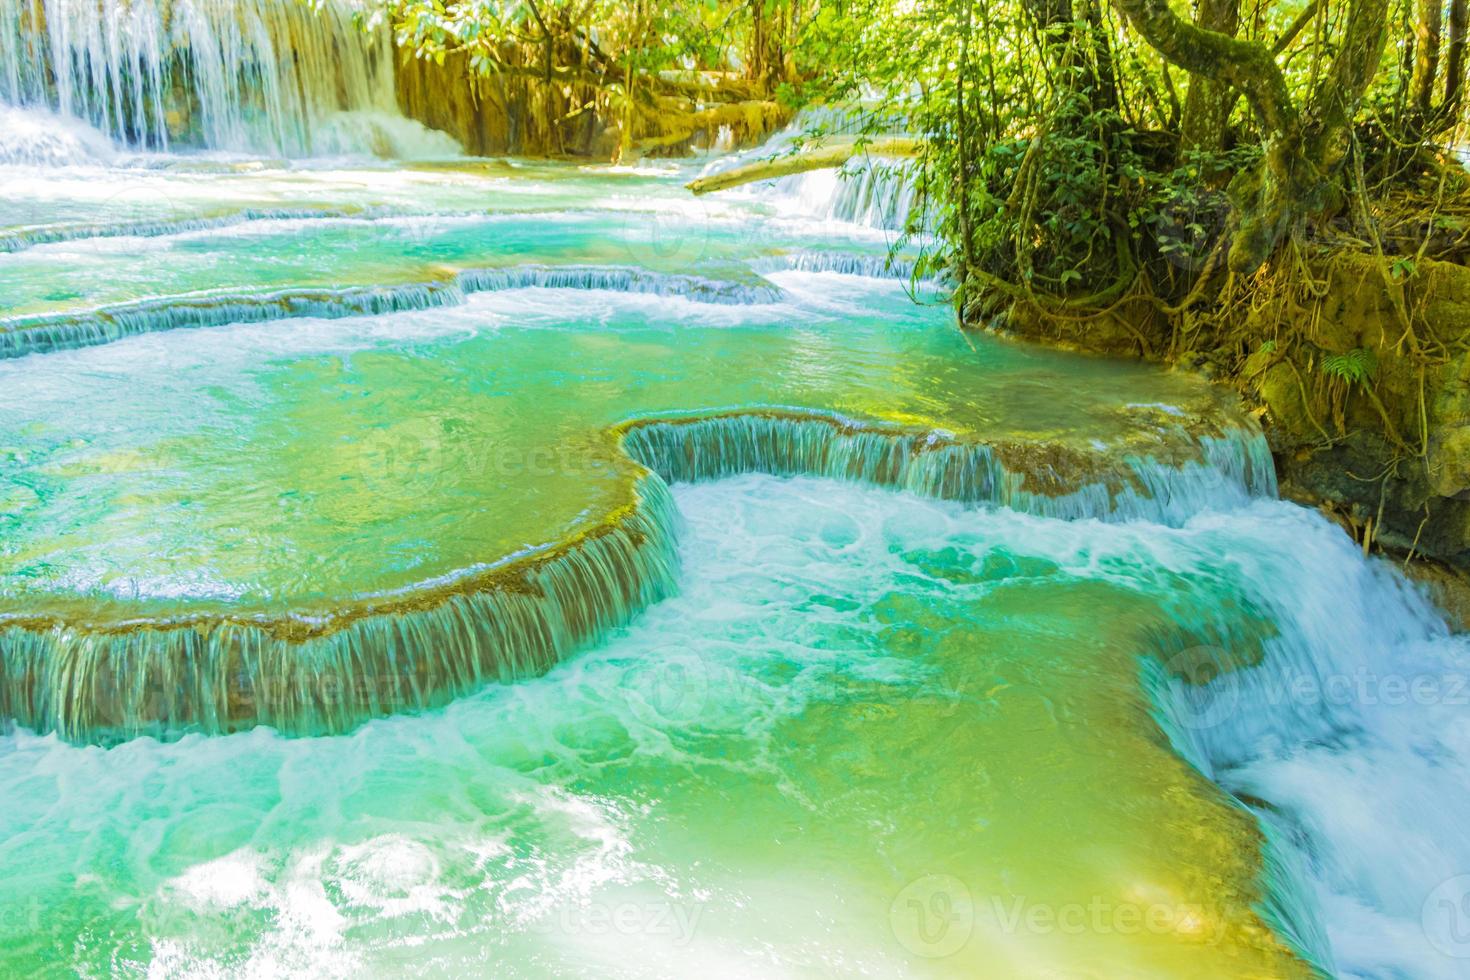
[1360,376]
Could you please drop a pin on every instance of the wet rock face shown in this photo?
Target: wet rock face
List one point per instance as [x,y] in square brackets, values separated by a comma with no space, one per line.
[1449,443]
[513,112]
[1335,447]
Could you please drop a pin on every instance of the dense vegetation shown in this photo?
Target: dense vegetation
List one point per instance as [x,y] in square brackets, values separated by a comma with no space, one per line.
[1179,183]
[1073,148]
[654,74]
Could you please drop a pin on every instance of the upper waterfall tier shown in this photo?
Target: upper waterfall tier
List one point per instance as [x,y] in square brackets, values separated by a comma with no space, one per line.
[262,76]
[870,189]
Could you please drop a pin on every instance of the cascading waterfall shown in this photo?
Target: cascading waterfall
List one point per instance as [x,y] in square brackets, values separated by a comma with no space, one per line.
[1345,733]
[1348,674]
[221,676]
[876,193]
[420,650]
[19,240]
[269,76]
[619,279]
[1224,470]
[846,263]
[40,334]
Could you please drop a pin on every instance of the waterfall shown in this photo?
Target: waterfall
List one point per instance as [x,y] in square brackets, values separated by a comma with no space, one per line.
[42,333]
[263,76]
[302,676]
[621,279]
[844,263]
[874,192]
[420,648]
[1225,470]
[22,238]
[1344,729]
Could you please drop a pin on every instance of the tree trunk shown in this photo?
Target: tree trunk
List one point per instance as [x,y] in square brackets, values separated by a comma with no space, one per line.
[1208,103]
[962,144]
[1265,198]
[1427,27]
[1341,89]
[1454,66]
[1246,65]
[832,152]
[1072,41]
[1104,72]
[766,44]
[1297,161]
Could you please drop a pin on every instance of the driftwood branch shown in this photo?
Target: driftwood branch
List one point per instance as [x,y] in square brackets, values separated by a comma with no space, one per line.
[830,153]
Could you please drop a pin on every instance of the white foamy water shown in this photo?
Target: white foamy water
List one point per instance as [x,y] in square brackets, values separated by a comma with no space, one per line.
[1352,739]
[876,193]
[520,822]
[872,192]
[38,138]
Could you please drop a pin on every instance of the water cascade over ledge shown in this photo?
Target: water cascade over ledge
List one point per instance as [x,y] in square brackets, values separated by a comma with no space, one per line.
[38,334]
[268,76]
[872,191]
[395,480]
[515,619]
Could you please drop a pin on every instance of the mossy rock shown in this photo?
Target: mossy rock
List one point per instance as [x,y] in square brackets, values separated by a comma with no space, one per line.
[1449,460]
[1000,564]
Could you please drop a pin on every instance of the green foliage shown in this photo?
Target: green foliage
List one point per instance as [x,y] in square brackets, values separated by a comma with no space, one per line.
[591,35]
[1065,154]
[1355,367]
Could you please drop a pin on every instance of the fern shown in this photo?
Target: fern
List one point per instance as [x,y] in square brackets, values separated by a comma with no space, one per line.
[1355,367]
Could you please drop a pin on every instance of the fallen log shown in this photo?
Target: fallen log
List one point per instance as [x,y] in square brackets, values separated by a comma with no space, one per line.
[831,152]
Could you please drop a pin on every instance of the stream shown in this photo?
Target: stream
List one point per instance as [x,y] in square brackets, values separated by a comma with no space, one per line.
[522,568]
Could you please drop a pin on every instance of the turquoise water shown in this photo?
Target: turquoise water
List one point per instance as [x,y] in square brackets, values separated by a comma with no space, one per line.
[857,697]
[292,242]
[1060,724]
[296,438]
